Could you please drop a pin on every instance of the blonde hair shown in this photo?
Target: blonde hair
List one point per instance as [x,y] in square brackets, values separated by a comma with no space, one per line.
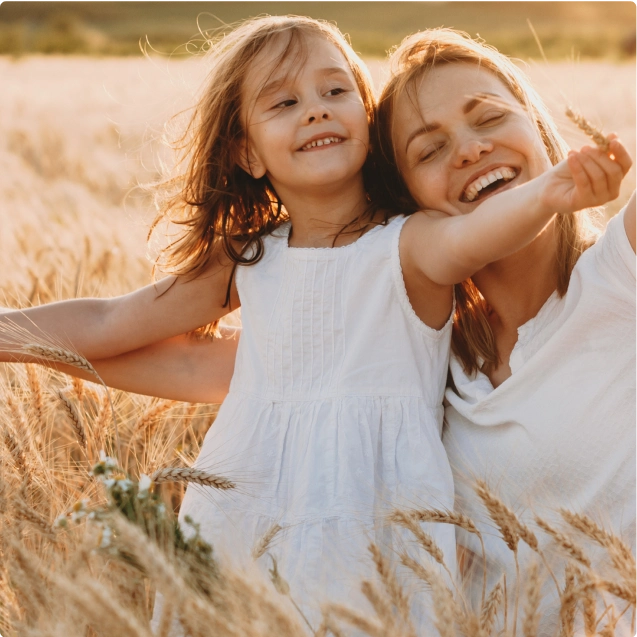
[218,204]
[473,340]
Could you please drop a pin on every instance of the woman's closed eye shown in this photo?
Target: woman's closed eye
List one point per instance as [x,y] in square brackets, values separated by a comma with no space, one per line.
[430,152]
[492,117]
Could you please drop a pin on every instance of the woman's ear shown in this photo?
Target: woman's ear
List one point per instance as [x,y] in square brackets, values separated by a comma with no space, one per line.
[248,159]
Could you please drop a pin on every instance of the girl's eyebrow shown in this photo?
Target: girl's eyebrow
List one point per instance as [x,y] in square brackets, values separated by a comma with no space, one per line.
[467,108]
[274,85]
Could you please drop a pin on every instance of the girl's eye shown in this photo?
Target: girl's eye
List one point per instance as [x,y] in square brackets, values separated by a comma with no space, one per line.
[336,91]
[285,103]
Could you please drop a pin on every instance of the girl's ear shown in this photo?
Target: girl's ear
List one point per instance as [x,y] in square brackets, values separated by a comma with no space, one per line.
[248,159]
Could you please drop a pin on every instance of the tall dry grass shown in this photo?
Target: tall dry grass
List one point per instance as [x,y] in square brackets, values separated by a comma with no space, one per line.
[75,138]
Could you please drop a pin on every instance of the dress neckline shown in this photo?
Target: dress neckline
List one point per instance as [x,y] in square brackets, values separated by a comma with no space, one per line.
[287,228]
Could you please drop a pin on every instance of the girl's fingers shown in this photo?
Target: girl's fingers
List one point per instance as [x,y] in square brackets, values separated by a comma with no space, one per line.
[619,152]
[592,161]
[614,169]
[579,175]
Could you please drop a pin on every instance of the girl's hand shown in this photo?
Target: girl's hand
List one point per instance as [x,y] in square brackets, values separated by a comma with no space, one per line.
[589,177]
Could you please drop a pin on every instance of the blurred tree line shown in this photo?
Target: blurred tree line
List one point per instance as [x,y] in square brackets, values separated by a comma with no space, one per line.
[566,29]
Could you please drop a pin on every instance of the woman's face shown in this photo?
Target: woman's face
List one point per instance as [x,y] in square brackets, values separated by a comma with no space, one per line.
[460,136]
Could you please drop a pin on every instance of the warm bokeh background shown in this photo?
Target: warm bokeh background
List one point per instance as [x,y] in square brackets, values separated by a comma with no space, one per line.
[566,29]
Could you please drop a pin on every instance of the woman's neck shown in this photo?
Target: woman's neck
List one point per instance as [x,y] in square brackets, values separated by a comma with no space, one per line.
[318,217]
[517,287]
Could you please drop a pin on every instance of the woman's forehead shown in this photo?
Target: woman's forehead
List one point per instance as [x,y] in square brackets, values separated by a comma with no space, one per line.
[454,82]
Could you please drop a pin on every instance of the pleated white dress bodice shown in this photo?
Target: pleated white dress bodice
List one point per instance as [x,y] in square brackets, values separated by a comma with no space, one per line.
[333,417]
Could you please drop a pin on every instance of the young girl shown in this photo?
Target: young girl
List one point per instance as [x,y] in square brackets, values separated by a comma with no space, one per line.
[335,408]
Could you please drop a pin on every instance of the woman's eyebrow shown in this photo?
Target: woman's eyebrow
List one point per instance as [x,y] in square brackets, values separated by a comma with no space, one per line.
[478,99]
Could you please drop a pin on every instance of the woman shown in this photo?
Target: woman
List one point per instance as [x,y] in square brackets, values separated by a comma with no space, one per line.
[541,402]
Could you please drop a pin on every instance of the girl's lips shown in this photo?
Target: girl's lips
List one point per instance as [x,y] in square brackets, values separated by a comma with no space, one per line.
[320,141]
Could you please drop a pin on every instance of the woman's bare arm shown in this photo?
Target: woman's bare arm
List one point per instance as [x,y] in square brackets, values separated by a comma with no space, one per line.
[180,368]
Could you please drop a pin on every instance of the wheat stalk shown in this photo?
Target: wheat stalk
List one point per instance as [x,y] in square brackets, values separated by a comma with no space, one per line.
[622,591]
[151,414]
[490,607]
[533,588]
[37,395]
[17,453]
[59,355]
[425,540]
[74,416]
[568,601]
[185,474]
[262,545]
[565,542]
[381,605]
[25,512]
[445,607]
[583,124]
[388,578]
[504,517]
[372,628]
[620,553]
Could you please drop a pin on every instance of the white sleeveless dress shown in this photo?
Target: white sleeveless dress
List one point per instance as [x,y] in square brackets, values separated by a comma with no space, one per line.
[333,417]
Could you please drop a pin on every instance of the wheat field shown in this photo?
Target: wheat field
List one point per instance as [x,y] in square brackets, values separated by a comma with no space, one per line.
[86,541]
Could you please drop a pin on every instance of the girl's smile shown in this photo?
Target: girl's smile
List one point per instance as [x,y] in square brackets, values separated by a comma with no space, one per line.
[461,136]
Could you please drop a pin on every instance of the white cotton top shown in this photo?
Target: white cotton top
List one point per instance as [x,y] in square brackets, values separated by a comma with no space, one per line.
[560,432]
[334,415]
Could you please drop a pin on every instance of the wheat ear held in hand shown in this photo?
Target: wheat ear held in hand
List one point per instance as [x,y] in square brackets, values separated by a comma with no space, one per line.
[583,124]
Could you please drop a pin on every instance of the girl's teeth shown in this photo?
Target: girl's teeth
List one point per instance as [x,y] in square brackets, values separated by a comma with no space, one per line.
[499,175]
[321,142]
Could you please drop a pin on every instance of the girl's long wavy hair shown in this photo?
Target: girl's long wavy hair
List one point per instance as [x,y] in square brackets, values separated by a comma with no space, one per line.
[216,204]
[473,340]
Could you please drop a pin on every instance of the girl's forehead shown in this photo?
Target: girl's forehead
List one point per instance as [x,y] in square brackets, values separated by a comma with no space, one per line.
[287,58]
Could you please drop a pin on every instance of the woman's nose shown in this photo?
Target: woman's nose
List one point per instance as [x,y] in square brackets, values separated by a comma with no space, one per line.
[471,150]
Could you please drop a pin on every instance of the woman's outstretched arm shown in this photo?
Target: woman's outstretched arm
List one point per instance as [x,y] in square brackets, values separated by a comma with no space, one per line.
[180,368]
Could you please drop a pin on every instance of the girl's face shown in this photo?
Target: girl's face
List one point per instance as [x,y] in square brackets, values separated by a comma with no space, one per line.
[460,136]
[307,127]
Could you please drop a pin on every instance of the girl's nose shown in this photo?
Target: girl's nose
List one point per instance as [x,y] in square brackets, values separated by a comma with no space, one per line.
[317,112]
[471,150]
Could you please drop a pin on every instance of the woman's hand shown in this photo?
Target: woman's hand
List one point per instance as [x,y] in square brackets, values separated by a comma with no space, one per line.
[587,178]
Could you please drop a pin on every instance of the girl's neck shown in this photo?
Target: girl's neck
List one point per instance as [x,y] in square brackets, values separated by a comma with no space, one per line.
[518,286]
[318,217]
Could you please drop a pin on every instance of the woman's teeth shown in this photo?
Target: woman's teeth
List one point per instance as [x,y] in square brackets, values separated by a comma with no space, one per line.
[473,189]
[322,142]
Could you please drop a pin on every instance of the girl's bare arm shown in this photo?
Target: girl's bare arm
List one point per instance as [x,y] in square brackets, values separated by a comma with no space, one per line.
[104,328]
[448,250]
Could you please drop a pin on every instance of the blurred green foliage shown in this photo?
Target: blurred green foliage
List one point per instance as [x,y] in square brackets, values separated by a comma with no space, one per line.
[565,29]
